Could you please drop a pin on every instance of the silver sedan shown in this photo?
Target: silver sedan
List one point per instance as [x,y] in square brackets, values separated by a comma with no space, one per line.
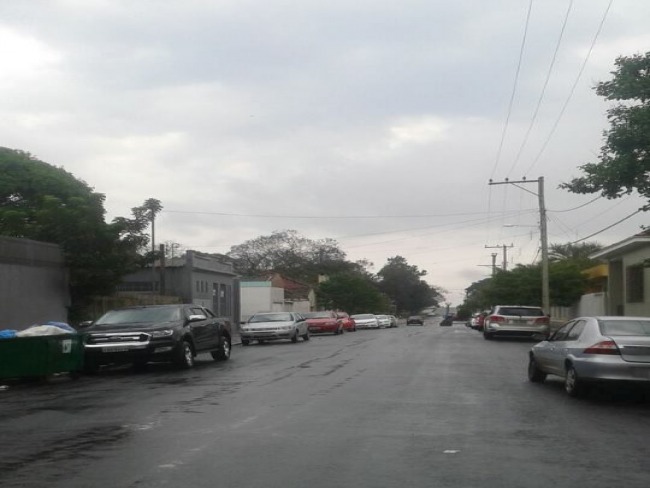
[589,350]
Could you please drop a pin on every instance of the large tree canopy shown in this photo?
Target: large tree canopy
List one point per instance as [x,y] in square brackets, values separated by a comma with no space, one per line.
[45,203]
[352,292]
[403,283]
[624,164]
[290,253]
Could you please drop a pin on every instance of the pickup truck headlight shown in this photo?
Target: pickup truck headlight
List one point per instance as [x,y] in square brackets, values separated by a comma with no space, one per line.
[162,333]
[286,327]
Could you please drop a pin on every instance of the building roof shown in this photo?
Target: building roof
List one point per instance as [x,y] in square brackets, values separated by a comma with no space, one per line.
[633,243]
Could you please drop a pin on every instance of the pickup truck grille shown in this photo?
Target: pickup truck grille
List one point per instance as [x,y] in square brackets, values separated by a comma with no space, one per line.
[117,338]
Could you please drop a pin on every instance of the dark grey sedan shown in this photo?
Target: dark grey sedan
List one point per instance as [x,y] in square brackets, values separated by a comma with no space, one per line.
[588,350]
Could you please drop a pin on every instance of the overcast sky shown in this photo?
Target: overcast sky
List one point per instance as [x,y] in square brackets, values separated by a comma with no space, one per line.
[377,123]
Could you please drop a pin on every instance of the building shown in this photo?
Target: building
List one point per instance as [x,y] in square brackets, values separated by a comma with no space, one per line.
[275,293]
[203,279]
[34,286]
[628,276]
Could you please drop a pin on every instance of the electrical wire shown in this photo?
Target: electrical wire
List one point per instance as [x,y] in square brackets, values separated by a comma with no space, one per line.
[576,208]
[514,88]
[642,209]
[268,216]
[541,96]
[573,88]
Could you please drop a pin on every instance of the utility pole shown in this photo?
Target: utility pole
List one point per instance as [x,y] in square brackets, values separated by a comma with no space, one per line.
[493,265]
[504,266]
[546,300]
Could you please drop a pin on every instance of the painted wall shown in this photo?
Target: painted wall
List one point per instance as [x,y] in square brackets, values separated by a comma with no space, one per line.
[33,284]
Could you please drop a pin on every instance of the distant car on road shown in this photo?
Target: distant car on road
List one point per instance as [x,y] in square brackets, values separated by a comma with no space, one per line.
[515,321]
[166,333]
[588,350]
[324,322]
[415,320]
[447,321]
[365,321]
[273,326]
[393,320]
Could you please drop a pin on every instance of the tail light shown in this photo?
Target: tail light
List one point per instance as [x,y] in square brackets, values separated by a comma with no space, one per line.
[604,347]
[542,321]
[496,318]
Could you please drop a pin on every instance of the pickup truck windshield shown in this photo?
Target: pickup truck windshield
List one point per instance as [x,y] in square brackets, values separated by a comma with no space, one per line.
[140,316]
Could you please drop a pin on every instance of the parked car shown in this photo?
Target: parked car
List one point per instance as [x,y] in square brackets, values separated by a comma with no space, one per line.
[273,326]
[515,321]
[477,321]
[590,350]
[325,322]
[393,320]
[172,333]
[365,321]
[348,322]
[384,321]
[415,320]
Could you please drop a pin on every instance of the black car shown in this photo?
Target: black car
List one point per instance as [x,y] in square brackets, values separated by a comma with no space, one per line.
[168,333]
[415,320]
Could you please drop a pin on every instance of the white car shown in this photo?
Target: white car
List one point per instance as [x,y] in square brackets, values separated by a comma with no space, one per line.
[366,321]
[384,321]
[273,326]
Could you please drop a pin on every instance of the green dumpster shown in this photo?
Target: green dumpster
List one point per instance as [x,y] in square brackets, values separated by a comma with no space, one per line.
[41,356]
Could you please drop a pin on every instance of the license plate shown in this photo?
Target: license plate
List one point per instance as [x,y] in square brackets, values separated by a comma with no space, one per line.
[115,349]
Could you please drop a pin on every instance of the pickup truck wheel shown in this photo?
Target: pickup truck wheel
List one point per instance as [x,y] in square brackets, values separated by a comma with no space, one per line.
[185,355]
[139,366]
[245,342]
[294,338]
[223,353]
[305,337]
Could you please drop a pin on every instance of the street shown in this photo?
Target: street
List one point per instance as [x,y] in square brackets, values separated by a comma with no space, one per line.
[408,407]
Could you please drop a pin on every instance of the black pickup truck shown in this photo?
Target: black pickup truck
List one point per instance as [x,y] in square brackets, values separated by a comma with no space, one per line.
[168,333]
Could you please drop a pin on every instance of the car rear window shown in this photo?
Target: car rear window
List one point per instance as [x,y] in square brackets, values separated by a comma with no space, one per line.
[317,315]
[521,311]
[625,327]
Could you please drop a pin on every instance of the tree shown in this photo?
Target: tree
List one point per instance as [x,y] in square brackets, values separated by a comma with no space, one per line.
[290,253]
[45,203]
[576,253]
[352,292]
[404,285]
[625,157]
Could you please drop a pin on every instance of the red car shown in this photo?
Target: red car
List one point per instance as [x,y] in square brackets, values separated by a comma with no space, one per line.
[348,322]
[323,322]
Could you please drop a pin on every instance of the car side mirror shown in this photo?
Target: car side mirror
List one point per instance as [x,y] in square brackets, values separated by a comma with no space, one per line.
[85,323]
[196,318]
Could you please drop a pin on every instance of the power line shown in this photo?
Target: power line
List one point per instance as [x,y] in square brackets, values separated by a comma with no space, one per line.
[579,206]
[642,209]
[514,89]
[541,96]
[270,216]
[573,88]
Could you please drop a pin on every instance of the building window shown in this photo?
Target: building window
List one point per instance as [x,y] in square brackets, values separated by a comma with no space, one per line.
[634,283]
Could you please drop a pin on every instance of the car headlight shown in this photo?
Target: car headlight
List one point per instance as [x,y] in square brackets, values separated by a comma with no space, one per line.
[286,327]
[162,333]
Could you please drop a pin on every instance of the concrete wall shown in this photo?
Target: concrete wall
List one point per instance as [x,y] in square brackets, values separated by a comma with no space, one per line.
[592,304]
[33,283]
[256,297]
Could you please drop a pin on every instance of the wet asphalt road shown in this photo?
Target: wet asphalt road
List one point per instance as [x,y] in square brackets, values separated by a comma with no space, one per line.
[409,407]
